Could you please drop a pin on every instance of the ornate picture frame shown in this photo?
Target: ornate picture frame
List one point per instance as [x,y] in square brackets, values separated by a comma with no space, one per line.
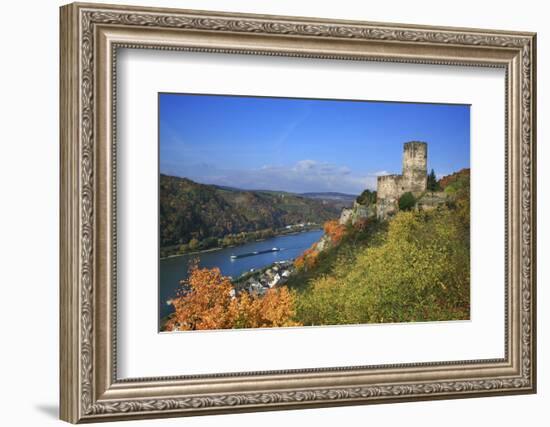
[90,37]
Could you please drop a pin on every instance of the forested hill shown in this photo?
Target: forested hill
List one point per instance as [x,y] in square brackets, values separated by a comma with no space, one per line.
[457,179]
[189,210]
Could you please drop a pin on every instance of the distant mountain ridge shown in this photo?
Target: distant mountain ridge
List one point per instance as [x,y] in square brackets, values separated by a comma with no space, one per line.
[324,195]
[330,195]
[189,210]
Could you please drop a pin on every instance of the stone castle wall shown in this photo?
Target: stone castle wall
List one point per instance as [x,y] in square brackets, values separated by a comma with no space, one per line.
[388,192]
[414,179]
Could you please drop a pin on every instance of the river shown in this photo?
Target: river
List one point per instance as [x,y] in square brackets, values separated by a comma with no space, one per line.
[173,269]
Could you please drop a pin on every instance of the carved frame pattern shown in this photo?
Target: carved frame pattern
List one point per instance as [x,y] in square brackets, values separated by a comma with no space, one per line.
[79,399]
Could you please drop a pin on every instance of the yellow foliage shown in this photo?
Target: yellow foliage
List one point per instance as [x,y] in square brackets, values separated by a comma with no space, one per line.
[420,271]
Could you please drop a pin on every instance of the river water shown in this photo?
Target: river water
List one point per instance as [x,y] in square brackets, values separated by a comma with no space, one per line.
[172,270]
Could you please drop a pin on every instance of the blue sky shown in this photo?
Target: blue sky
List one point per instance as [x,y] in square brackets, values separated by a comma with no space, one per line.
[304,145]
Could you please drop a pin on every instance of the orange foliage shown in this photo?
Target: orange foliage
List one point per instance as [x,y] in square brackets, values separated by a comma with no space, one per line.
[335,231]
[206,305]
[300,261]
[274,309]
[206,302]
[311,257]
[307,259]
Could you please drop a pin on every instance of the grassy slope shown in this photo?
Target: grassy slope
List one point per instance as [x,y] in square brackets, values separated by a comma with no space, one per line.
[414,267]
[346,252]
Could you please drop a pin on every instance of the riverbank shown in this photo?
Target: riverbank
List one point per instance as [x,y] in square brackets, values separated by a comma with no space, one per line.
[195,253]
[218,248]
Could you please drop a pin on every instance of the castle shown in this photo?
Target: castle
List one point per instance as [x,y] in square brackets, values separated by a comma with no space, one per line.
[414,179]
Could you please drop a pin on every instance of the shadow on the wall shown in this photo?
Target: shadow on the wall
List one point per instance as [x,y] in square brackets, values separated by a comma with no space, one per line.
[49,409]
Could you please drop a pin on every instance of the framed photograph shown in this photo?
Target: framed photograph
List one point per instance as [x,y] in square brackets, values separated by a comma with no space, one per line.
[266,212]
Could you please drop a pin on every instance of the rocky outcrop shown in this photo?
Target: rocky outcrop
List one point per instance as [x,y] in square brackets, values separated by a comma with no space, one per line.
[362,212]
[323,244]
[345,216]
[430,200]
[351,216]
[356,213]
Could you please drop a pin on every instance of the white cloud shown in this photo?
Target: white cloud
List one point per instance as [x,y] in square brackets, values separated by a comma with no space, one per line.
[305,165]
[303,176]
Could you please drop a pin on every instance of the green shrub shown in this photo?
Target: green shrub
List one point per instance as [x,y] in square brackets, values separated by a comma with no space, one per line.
[367,198]
[407,201]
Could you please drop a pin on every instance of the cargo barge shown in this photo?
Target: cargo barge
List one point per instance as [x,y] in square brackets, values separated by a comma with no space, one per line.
[247,254]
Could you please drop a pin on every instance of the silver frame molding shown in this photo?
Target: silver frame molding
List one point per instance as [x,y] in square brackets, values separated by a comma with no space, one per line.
[90,37]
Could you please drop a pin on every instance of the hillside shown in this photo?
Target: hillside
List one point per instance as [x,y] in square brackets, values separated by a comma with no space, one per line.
[459,178]
[413,267]
[193,212]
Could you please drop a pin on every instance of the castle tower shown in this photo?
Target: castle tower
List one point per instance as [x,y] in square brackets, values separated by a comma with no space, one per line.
[415,155]
[414,179]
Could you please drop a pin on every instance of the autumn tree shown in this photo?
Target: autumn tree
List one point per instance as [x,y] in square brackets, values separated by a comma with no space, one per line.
[307,259]
[207,300]
[274,309]
[203,302]
[334,230]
